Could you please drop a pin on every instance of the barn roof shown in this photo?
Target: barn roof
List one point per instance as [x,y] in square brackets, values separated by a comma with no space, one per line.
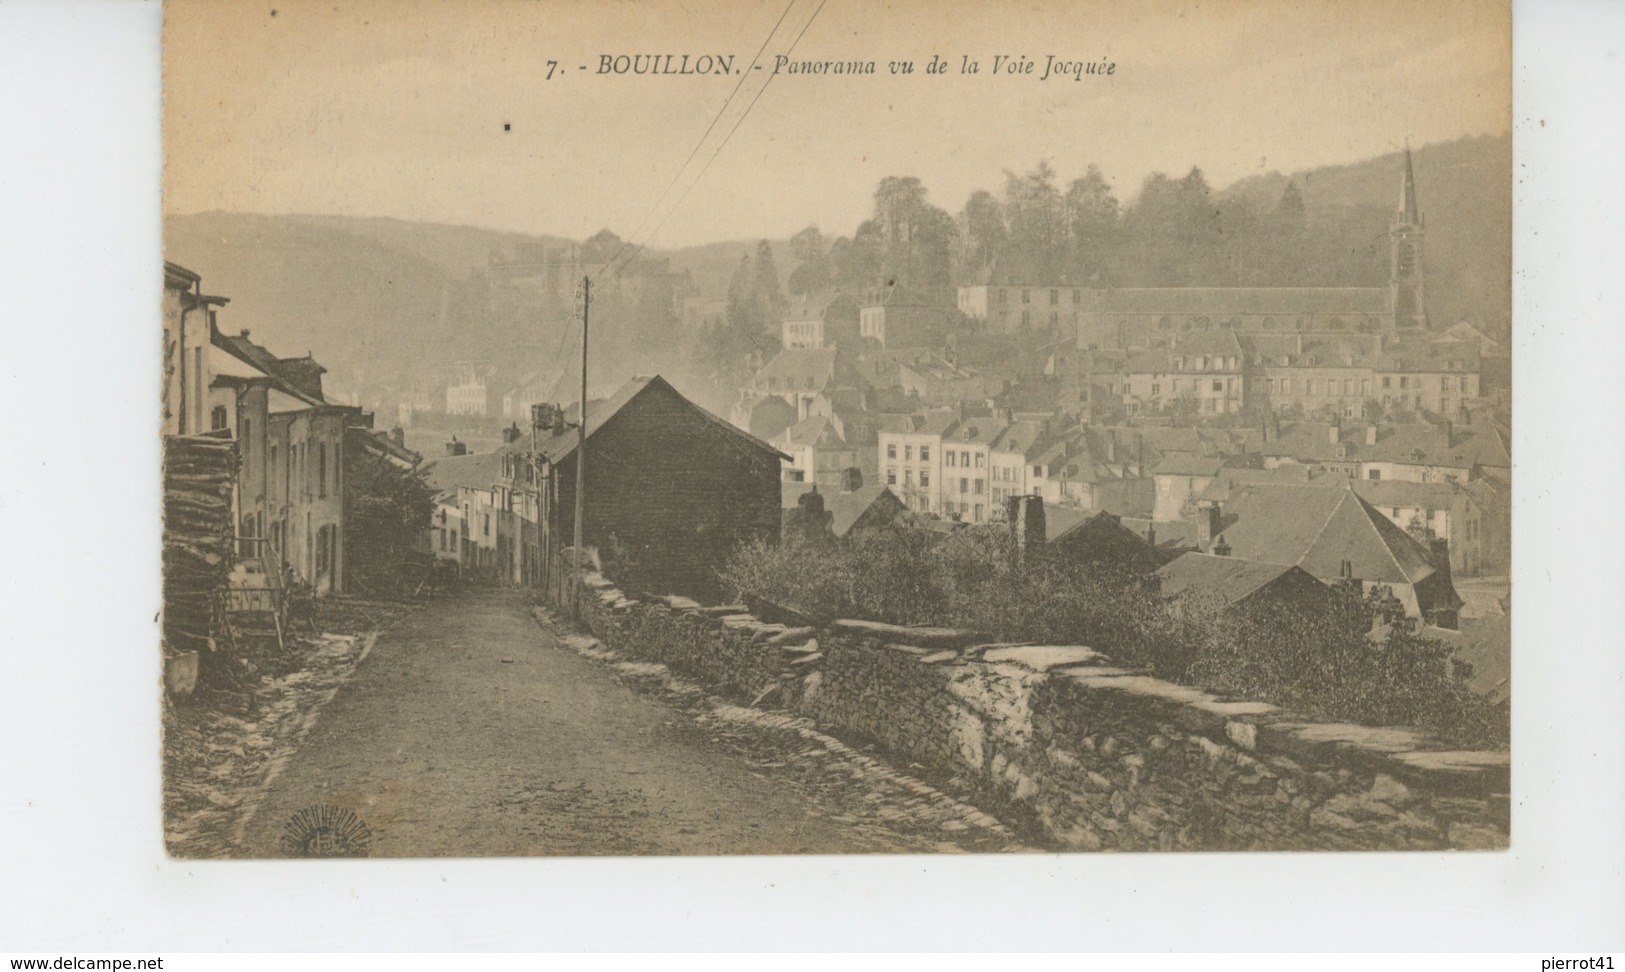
[1231,579]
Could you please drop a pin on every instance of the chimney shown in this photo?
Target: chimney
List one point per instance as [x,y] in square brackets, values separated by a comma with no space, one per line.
[397,435]
[1209,517]
[1220,548]
[1025,514]
[1371,435]
[455,448]
[851,479]
[510,434]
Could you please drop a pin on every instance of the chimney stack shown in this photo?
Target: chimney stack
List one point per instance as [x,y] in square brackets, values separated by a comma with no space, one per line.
[851,479]
[1220,548]
[1209,517]
[397,435]
[510,434]
[1025,514]
[455,448]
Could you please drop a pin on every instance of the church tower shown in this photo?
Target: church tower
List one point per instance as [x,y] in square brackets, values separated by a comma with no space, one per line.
[1405,261]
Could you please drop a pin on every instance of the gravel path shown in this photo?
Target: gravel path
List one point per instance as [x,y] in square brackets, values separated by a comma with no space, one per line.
[472,730]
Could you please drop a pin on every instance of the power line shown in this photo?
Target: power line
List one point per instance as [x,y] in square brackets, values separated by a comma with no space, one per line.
[708,129]
[703,169]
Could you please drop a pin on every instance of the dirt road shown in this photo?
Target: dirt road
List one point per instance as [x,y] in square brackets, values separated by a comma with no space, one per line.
[470,730]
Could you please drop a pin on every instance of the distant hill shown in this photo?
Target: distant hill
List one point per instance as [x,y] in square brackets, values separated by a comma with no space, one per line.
[393,303]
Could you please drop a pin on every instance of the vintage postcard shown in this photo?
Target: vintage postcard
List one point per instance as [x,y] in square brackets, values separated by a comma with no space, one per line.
[831,427]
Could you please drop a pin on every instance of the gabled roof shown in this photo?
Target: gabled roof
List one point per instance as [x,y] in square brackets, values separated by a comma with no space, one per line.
[977,431]
[1402,493]
[845,507]
[299,378]
[814,430]
[1020,436]
[1228,578]
[561,444]
[1317,529]
[377,440]
[796,365]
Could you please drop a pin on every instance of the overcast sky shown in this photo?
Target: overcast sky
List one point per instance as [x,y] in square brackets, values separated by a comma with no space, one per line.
[397,107]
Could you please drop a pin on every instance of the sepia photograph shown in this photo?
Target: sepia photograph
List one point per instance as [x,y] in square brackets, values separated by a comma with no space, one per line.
[805,427]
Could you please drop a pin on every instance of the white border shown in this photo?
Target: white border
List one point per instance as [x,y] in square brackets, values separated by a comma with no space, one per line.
[82,864]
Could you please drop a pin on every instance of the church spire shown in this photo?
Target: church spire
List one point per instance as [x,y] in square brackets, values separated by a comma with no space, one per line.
[1407,192]
[1407,299]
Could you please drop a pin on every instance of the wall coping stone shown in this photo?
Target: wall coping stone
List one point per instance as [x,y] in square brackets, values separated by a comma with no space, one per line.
[1042,658]
[926,635]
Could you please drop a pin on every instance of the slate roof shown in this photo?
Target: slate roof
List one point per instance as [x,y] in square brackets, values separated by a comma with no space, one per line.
[475,471]
[796,365]
[1423,443]
[977,431]
[1226,577]
[1317,528]
[1188,466]
[814,430]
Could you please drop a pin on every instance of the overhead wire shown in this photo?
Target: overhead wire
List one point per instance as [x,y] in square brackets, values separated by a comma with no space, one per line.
[724,144]
[707,134]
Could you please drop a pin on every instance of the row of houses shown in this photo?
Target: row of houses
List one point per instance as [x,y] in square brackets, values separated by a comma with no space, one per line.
[288,494]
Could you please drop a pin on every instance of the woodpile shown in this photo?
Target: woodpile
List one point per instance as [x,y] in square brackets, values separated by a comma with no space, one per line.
[200,473]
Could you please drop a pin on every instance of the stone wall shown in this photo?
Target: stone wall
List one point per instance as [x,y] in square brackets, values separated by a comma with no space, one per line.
[1074,751]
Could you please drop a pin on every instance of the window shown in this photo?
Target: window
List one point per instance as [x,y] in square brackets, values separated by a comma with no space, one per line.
[1038,472]
[486,526]
[1309,386]
[1077,296]
[1444,383]
[978,515]
[891,477]
[925,478]
[1464,384]
[948,458]
[1054,297]
[908,452]
[1404,381]
[1365,386]
[1218,386]
[1026,319]
[321,469]
[981,460]
[964,459]
[217,417]
[1373,474]
[981,487]
[1387,381]
[908,477]
[1026,296]
[964,485]
[1156,389]
[891,450]
[442,538]
[925,453]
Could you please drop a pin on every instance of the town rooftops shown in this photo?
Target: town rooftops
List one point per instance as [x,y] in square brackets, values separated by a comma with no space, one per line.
[814,430]
[1215,302]
[1186,465]
[1227,578]
[799,369]
[1440,445]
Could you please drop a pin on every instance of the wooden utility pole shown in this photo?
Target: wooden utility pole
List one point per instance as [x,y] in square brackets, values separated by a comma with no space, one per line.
[581,450]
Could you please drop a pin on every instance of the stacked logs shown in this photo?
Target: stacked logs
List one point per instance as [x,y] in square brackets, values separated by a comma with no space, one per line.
[200,473]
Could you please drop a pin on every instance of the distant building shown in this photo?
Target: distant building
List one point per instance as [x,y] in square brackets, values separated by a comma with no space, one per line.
[967,468]
[820,321]
[467,392]
[1015,307]
[1205,370]
[902,319]
[911,449]
[851,511]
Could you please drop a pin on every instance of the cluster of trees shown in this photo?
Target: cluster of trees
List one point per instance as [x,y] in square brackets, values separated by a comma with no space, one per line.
[387,509]
[1178,232]
[1360,660]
